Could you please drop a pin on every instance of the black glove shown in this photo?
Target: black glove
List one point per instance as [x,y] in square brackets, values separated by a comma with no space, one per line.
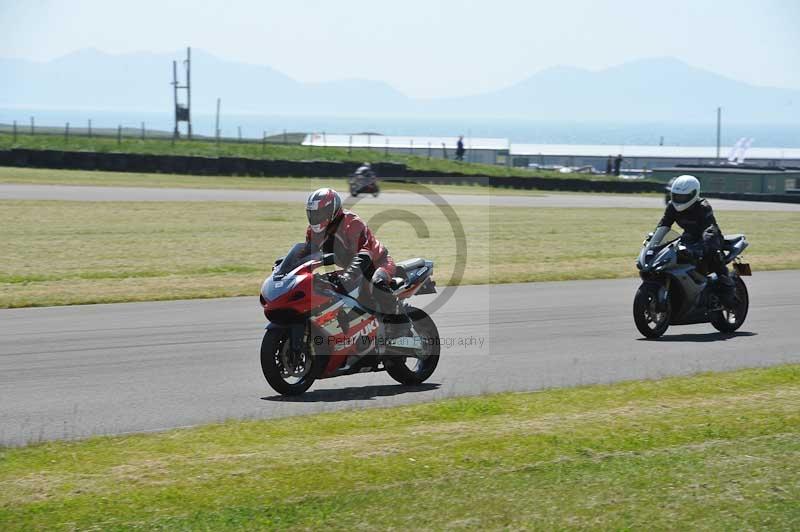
[349,282]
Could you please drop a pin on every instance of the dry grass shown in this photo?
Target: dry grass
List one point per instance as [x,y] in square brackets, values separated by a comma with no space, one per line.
[38,176]
[74,252]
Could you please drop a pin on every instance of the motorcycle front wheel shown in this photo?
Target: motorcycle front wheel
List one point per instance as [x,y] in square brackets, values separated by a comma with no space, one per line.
[651,322]
[729,320]
[410,370]
[286,373]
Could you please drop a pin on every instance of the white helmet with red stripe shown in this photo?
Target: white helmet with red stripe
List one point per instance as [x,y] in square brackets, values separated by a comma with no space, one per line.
[322,207]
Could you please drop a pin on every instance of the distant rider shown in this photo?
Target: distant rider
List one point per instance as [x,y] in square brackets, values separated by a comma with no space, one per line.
[695,216]
[365,174]
[366,262]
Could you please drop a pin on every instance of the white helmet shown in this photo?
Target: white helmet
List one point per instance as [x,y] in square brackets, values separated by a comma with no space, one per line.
[684,192]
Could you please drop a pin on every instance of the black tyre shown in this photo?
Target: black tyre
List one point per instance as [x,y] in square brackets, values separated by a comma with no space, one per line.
[413,370]
[650,322]
[729,320]
[285,373]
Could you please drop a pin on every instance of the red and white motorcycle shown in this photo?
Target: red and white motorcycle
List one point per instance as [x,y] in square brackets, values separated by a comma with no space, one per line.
[316,331]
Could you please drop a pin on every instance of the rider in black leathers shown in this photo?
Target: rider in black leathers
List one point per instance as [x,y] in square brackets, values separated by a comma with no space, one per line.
[700,226]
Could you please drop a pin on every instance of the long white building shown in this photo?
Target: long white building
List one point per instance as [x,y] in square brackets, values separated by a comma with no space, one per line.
[479,150]
[646,157]
[502,151]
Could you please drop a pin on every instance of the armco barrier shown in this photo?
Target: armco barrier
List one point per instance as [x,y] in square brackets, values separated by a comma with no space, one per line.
[533,182]
[749,196]
[148,163]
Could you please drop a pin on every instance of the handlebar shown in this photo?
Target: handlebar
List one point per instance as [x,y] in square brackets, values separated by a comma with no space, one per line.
[327,281]
[690,252]
[321,284]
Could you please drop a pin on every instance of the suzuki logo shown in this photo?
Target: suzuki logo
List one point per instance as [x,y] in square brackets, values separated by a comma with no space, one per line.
[361,333]
[371,326]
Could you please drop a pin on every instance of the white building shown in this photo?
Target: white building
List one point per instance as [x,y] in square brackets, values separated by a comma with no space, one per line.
[502,151]
[640,157]
[478,150]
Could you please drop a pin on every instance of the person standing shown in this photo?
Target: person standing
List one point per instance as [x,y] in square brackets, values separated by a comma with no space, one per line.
[460,149]
[609,165]
[617,164]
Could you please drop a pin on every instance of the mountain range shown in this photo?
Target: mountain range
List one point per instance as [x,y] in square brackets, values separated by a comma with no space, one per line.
[655,89]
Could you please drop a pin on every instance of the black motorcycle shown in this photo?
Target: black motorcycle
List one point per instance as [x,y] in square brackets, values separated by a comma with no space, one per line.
[364,184]
[675,291]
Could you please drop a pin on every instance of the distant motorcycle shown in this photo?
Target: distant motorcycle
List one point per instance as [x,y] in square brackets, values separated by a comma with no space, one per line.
[674,292]
[316,332]
[364,184]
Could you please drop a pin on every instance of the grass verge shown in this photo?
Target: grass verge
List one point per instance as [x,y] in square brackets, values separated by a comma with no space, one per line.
[39,176]
[292,152]
[58,253]
[716,451]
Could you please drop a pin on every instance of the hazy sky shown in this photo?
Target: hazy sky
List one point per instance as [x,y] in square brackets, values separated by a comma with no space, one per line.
[424,47]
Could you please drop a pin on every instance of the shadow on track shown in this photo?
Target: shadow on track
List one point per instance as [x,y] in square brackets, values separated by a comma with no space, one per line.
[698,337]
[354,393]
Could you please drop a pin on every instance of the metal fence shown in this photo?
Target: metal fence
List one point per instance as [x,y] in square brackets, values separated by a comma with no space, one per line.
[87,130]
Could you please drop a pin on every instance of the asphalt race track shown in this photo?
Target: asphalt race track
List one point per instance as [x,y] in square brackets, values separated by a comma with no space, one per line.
[68,372]
[90,193]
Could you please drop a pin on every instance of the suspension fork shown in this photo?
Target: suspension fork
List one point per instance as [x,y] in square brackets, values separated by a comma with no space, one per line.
[297,337]
[663,295]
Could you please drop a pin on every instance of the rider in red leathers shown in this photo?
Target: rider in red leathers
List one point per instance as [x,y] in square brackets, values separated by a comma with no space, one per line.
[366,262]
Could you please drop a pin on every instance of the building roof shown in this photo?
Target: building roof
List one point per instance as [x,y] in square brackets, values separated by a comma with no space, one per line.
[556,150]
[724,170]
[650,152]
[390,141]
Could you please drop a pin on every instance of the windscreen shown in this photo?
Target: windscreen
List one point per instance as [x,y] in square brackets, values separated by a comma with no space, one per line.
[666,239]
[300,253]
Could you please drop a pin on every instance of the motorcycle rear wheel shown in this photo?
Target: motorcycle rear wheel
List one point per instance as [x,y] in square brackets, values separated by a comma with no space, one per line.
[282,380]
[649,321]
[423,366]
[729,320]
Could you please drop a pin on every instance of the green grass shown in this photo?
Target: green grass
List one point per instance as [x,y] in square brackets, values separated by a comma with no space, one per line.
[710,452]
[57,253]
[40,176]
[294,152]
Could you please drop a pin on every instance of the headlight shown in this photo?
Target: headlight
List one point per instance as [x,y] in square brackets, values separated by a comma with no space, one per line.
[272,289]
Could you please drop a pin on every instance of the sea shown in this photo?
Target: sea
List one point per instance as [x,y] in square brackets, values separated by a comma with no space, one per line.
[517,130]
